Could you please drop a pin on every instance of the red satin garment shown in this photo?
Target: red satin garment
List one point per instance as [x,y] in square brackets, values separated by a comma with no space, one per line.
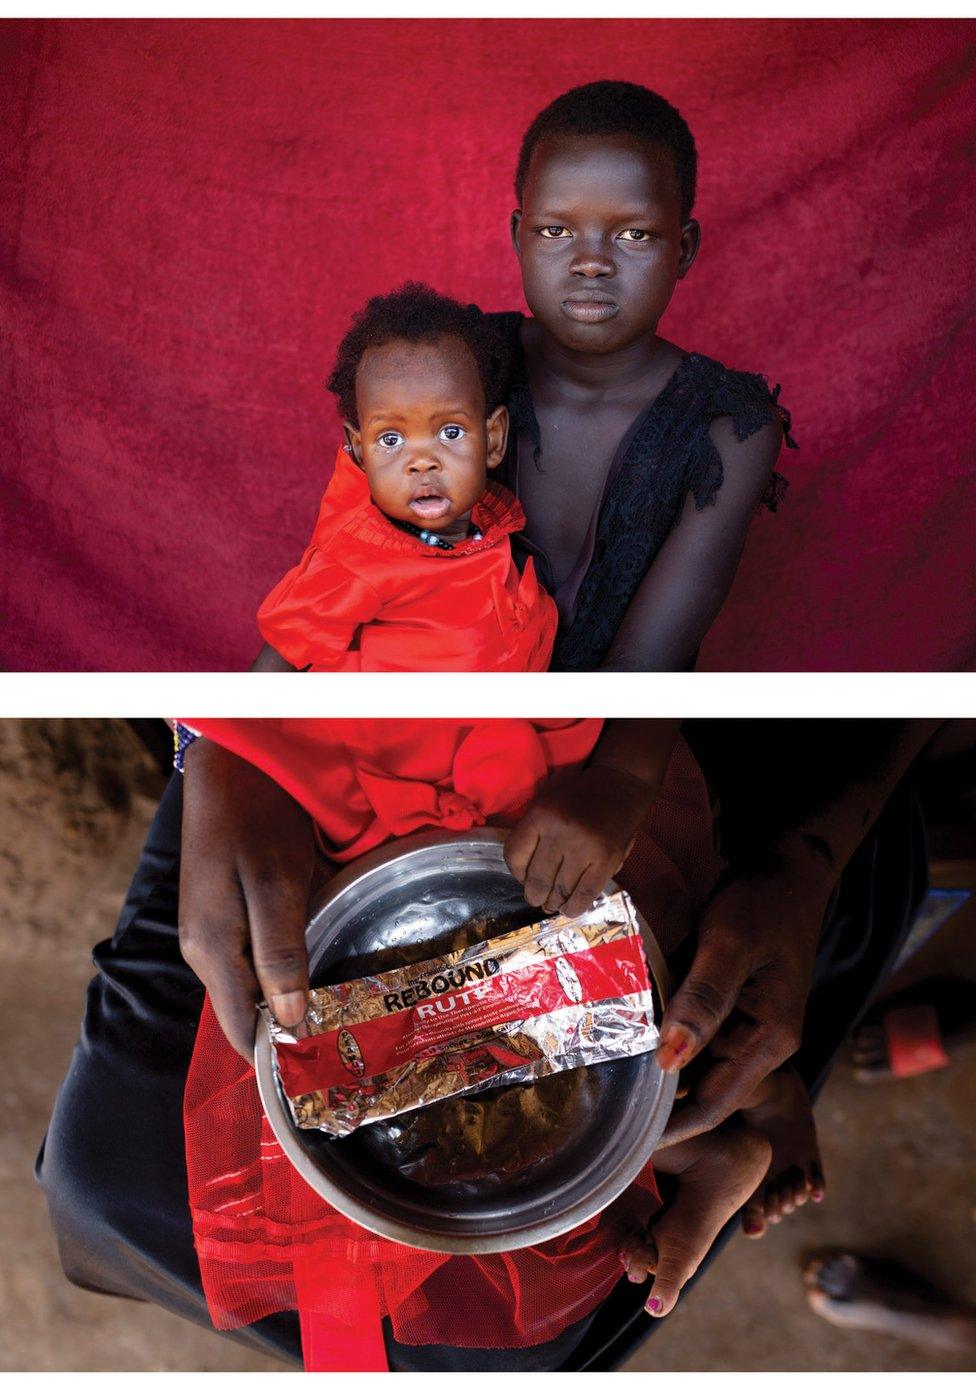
[365,781]
[265,1240]
[369,597]
[346,487]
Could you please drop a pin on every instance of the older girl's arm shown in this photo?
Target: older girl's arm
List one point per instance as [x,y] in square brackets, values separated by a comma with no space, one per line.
[692,573]
[268,659]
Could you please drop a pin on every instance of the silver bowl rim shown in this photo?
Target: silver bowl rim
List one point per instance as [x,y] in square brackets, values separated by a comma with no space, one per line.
[575,1213]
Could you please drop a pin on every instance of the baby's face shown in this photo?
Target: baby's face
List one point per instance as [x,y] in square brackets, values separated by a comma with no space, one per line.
[600,239]
[423,437]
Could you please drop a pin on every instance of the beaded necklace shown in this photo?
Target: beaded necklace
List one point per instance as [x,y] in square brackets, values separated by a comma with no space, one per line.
[428,537]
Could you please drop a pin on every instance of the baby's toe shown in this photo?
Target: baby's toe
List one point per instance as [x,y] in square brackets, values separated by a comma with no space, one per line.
[638,1257]
[815,1182]
[754,1218]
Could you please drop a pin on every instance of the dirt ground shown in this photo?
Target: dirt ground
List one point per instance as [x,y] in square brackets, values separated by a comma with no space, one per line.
[75,800]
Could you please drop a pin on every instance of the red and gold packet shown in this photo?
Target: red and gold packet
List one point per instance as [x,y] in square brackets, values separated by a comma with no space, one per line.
[556,995]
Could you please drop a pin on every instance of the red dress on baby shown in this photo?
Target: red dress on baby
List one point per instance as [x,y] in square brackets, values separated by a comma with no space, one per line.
[368,596]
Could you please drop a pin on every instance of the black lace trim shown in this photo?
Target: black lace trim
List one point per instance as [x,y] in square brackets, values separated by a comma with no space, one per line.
[748,400]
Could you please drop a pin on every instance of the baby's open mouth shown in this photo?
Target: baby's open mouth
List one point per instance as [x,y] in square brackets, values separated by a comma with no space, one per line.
[430,506]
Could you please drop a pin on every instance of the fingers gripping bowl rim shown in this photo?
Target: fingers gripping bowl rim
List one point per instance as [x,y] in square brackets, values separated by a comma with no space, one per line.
[400,904]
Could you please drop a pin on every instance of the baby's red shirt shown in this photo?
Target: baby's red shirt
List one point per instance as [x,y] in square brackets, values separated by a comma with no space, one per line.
[368,596]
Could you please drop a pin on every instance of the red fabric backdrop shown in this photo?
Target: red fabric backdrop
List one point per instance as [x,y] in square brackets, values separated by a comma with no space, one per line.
[192,210]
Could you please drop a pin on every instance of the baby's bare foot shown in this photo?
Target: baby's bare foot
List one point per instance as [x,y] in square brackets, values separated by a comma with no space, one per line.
[795,1175]
[716,1172]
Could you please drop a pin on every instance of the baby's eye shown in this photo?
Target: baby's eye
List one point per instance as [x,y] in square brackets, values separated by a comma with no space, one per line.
[390,440]
[554,231]
[636,235]
[451,432]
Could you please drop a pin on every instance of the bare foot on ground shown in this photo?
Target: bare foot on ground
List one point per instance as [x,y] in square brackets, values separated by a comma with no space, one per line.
[874,1295]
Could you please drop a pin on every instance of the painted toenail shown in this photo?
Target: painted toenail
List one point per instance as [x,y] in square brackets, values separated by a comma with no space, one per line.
[653,1305]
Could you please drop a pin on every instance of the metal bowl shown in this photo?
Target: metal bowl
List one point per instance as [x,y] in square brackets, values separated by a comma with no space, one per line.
[401,904]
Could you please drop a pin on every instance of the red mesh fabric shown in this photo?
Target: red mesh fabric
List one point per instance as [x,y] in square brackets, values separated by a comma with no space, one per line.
[266,1242]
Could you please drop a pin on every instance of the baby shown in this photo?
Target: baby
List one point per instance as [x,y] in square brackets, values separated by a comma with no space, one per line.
[419,577]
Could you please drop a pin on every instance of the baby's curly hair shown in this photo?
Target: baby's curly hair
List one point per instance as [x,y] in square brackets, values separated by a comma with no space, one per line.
[611,108]
[416,313]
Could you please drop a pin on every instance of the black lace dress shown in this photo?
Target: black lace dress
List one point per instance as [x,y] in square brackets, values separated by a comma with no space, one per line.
[666,454]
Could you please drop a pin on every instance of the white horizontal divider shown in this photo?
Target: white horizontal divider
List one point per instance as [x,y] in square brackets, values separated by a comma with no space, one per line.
[702,694]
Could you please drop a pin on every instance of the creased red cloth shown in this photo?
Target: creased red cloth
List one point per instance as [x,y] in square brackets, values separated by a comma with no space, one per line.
[366,781]
[369,597]
[265,1240]
[176,279]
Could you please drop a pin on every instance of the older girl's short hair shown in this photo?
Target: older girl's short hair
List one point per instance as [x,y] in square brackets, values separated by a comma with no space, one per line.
[609,108]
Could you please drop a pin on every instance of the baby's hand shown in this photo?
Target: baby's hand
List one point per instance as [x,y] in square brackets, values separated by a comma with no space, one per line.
[576,836]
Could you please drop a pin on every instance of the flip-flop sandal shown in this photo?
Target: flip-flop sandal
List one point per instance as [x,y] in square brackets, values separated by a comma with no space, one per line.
[917,1024]
[913,1037]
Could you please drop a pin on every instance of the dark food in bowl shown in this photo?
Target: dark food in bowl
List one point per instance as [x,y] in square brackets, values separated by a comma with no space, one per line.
[487,1136]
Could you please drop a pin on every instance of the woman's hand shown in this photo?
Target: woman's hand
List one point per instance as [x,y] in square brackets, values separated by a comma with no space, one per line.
[248,869]
[746,993]
[747,989]
[576,836]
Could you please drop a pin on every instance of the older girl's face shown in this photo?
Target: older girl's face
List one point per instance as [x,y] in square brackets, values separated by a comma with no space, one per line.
[600,239]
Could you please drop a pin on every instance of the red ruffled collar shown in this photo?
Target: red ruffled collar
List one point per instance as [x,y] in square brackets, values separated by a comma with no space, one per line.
[496,515]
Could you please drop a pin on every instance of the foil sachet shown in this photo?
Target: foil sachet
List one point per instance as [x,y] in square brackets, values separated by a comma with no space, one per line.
[557,995]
